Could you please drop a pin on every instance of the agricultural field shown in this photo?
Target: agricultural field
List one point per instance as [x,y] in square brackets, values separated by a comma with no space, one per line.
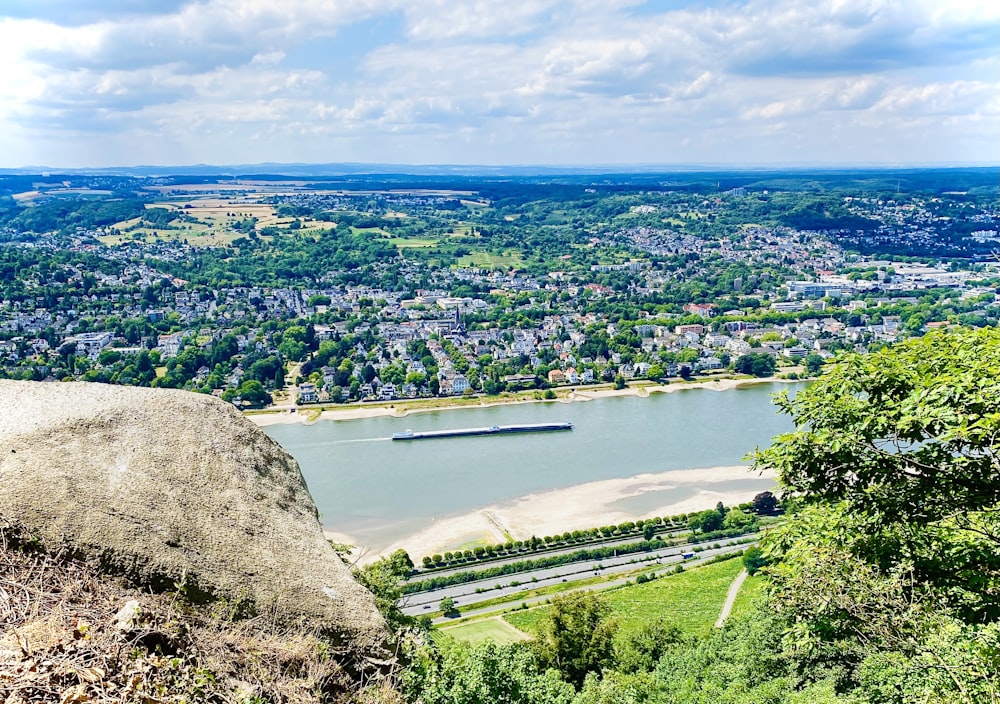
[412,242]
[753,589]
[691,600]
[203,221]
[495,629]
[490,260]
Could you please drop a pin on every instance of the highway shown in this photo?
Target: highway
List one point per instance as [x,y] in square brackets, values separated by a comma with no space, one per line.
[471,593]
[666,535]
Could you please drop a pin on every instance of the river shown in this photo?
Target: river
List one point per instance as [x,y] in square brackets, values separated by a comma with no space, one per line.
[376,490]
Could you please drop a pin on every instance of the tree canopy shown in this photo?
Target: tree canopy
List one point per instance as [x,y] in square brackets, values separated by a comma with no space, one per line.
[892,571]
[907,434]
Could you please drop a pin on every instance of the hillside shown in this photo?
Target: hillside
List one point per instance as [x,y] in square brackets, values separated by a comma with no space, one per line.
[73,634]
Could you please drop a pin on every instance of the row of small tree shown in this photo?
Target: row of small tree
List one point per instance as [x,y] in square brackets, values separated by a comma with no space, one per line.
[647,529]
[743,517]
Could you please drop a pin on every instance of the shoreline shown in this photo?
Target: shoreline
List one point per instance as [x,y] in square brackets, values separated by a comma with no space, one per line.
[581,506]
[588,505]
[311,415]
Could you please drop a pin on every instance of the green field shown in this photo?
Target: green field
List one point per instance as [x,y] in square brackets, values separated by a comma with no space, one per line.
[374,231]
[691,600]
[489,260]
[752,589]
[412,242]
[495,629]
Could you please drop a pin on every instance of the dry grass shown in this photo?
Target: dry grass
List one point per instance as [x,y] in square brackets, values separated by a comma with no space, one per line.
[71,635]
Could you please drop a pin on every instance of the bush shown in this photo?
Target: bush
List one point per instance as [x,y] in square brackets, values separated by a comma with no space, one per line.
[753,560]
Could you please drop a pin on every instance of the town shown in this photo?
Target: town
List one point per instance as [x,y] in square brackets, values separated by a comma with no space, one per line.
[316,293]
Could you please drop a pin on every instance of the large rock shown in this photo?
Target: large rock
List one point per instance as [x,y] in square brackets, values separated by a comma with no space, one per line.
[172,487]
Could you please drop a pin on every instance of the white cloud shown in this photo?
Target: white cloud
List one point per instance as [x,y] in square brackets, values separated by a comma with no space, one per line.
[958,97]
[435,20]
[504,80]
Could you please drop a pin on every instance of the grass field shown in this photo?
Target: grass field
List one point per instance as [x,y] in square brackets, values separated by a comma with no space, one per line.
[495,629]
[752,589]
[373,231]
[488,260]
[212,223]
[460,230]
[691,600]
[412,242]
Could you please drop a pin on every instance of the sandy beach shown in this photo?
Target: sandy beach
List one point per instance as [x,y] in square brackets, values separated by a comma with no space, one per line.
[402,409]
[573,508]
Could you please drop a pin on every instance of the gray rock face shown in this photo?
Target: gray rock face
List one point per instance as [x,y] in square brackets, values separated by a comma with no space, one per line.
[175,487]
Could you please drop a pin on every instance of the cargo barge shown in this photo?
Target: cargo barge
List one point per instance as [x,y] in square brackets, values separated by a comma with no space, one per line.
[492,430]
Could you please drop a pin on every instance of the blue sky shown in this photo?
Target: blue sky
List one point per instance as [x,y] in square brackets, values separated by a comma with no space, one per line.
[844,82]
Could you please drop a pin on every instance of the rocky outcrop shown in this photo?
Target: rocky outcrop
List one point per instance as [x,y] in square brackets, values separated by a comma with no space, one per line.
[175,488]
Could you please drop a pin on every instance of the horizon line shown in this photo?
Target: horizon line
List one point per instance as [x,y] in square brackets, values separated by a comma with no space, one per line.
[634,167]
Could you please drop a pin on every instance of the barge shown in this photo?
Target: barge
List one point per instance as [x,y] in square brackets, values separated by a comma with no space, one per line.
[492,430]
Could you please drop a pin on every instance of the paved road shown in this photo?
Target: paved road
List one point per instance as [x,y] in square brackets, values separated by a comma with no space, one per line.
[533,601]
[610,543]
[471,593]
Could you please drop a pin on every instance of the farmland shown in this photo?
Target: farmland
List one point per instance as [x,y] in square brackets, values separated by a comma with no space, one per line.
[495,629]
[690,600]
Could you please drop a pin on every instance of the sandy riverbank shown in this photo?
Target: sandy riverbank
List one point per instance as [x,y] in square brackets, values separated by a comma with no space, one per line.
[402,409]
[577,507]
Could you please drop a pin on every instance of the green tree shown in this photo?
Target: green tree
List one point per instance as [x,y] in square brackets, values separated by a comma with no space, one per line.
[641,649]
[618,688]
[813,364]
[753,560]
[252,393]
[904,435]
[108,356]
[382,578]
[292,349]
[706,521]
[891,572]
[485,674]
[736,519]
[577,636]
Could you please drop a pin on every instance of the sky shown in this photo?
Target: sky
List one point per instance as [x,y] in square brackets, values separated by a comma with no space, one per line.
[90,83]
